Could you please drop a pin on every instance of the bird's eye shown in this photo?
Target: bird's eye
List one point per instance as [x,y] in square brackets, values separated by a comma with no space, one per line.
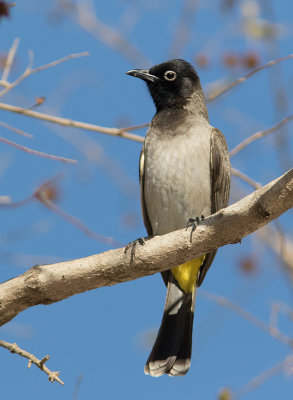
[170,76]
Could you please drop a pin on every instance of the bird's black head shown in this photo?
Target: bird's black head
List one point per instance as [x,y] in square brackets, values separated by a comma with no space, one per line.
[171,84]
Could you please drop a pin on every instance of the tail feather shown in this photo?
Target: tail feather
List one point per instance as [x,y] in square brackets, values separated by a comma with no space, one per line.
[171,353]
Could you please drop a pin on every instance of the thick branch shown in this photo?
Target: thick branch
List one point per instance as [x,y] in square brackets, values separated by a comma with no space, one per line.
[47,284]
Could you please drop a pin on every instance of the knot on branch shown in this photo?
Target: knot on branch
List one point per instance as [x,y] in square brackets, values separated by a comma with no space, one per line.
[262,211]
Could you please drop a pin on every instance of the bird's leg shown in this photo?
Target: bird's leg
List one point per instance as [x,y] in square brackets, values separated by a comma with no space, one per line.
[133,244]
[193,222]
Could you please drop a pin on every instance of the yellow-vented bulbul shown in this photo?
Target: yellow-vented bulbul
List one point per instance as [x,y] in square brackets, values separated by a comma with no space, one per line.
[184,174]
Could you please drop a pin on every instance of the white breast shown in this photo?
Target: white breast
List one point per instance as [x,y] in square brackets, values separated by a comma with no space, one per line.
[177,178]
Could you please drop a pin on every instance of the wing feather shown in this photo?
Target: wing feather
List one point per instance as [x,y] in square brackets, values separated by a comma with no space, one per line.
[145,215]
[220,185]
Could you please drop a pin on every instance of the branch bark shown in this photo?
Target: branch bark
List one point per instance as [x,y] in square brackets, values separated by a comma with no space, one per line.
[46,284]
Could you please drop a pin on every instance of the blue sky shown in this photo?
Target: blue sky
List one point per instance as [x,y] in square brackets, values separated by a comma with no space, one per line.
[104,335]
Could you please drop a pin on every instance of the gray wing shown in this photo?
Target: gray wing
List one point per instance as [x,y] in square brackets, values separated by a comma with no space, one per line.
[145,216]
[146,220]
[220,184]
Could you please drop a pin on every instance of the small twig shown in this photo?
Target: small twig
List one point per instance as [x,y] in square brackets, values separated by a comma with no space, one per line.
[183,30]
[263,377]
[39,195]
[8,204]
[134,127]
[5,200]
[259,135]
[284,308]
[13,348]
[245,178]
[44,195]
[16,130]
[36,152]
[44,359]
[4,83]
[71,123]
[31,57]
[77,387]
[30,71]
[9,60]
[245,77]
[105,34]
[282,247]
[224,302]
[274,315]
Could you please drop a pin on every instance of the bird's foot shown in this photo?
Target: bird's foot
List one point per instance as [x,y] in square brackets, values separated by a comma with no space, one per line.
[133,244]
[193,222]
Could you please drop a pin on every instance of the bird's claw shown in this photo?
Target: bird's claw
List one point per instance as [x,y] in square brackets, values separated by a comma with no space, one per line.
[193,222]
[132,245]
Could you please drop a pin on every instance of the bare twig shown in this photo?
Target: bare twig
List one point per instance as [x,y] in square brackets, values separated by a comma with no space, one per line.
[246,178]
[71,123]
[7,204]
[77,387]
[9,60]
[278,86]
[5,162]
[284,308]
[259,135]
[51,283]
[274,315]
[283,366]
[4,199]
[104,33]
[273,331]
[16,130]
[4,83]
[245,77]
[184,28]
[40,194]
[281,246]
[44,194]
[36,152]
[95,153]
[29,71]
[13,348]
[134,127]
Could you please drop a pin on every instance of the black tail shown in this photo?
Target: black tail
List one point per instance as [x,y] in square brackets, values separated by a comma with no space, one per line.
[171,353]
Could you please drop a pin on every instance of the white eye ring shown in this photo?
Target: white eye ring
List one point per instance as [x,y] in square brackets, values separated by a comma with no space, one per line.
[170,76]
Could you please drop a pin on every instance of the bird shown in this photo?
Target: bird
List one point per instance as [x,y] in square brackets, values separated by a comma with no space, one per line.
[184,174]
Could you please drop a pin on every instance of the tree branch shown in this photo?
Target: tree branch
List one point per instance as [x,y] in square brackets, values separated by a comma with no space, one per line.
[46,284]
[245,178]
[71,123]
[9,60]
[37,152]
[13,348]
[259,135]
[29,71]
[245,77]
[16,130]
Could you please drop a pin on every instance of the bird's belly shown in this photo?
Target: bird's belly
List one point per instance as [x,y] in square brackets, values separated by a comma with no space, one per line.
[177,183]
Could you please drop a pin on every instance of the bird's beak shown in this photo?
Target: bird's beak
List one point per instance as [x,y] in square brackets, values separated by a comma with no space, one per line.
[143,74]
